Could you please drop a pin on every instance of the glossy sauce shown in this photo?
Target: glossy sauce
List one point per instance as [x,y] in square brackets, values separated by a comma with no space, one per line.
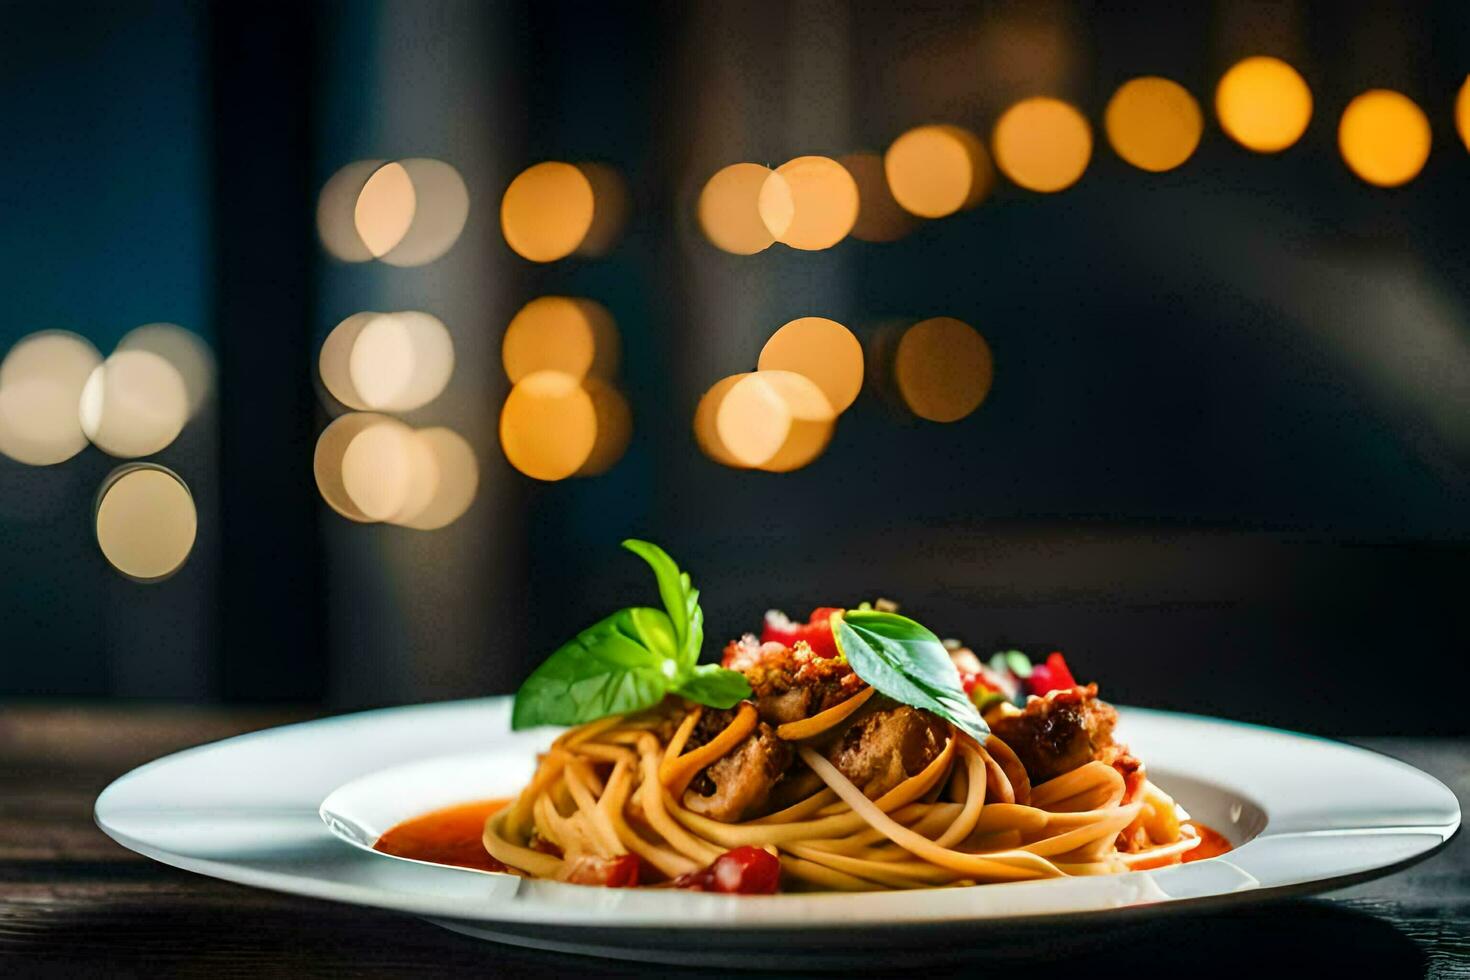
[448,836]
[1211,844]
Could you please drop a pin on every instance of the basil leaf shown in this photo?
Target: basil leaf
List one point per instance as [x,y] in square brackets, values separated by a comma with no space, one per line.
[906,662]
[680,598]
[604,670]
[715,686]
[651,628]
[1013,660]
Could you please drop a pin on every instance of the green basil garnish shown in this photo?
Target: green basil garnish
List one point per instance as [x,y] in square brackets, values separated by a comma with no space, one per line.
[630,660]
[908,663]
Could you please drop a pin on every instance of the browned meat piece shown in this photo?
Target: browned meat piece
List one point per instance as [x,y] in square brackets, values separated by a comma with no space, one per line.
[1057,733]
[738,785]
[883,747]
[791,705]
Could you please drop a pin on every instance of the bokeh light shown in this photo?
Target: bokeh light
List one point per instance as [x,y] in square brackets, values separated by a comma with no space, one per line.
[811,203]
[386,472]
[134,404]
[935,171]
[609,208]
[186,351]
[1263,104]
[372,467]
[327,460]
[403,212]
[822,350]
[400,361]
[880,217]
[41,383]
[335,211]
[547,211]
[729,209]
[334,361]
[1384,137]
[458,480]
[561,333]
[706,416]
[943,369]
[614,427]
[384,209]
[1462,113]
[548,425]
[1042,144]
[393,362]
[1153,123]
[774,420]
[145,521]
[441,208]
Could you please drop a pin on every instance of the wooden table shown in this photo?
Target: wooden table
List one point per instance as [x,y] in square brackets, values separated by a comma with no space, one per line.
[73,903]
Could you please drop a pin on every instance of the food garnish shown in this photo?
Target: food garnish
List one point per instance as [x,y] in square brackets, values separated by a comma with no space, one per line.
[631,660]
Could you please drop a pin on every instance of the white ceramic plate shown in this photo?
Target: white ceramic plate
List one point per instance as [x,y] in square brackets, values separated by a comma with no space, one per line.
[1306,814]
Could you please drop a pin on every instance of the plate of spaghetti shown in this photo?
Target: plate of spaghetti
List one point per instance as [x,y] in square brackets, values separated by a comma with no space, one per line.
[852,771]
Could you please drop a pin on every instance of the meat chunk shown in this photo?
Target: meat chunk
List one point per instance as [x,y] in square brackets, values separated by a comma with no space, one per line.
[1057,733]
[737,786]
[885,746]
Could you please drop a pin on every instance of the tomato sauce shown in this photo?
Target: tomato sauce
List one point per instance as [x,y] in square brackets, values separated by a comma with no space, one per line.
[1212,843]
[448,836]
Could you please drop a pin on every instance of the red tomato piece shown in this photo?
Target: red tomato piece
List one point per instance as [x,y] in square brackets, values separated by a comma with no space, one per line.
[742,871]
[816,631]
[1053,675]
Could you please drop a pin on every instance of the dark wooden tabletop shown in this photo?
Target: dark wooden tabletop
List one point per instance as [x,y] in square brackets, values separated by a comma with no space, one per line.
[73,903]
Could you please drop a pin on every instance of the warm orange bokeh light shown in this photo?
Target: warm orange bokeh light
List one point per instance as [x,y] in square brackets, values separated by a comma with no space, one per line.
[1042,144]
[146,521]
[1462,113]
[706,416]
[548,427]
[729,209]
[811,203]
[610,208]
[774,420]
[935,171]
[1264,104]
[1384,137]
[820,349]
[1153,123]
[880,217]
[547,211]
[943,369]
[614,427]
[561,333]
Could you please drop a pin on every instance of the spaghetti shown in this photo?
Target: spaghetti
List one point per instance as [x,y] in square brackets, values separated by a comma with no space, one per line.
[616,793]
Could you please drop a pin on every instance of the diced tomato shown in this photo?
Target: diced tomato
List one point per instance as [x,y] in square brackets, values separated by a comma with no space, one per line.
[1053,675]
[816,631]
[742,871]
[618,872]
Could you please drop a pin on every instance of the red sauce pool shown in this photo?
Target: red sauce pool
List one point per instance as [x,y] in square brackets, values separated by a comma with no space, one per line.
[1212,843]
[448,836]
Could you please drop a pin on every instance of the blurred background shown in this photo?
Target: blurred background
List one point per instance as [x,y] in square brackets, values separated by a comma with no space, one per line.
[343,343]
